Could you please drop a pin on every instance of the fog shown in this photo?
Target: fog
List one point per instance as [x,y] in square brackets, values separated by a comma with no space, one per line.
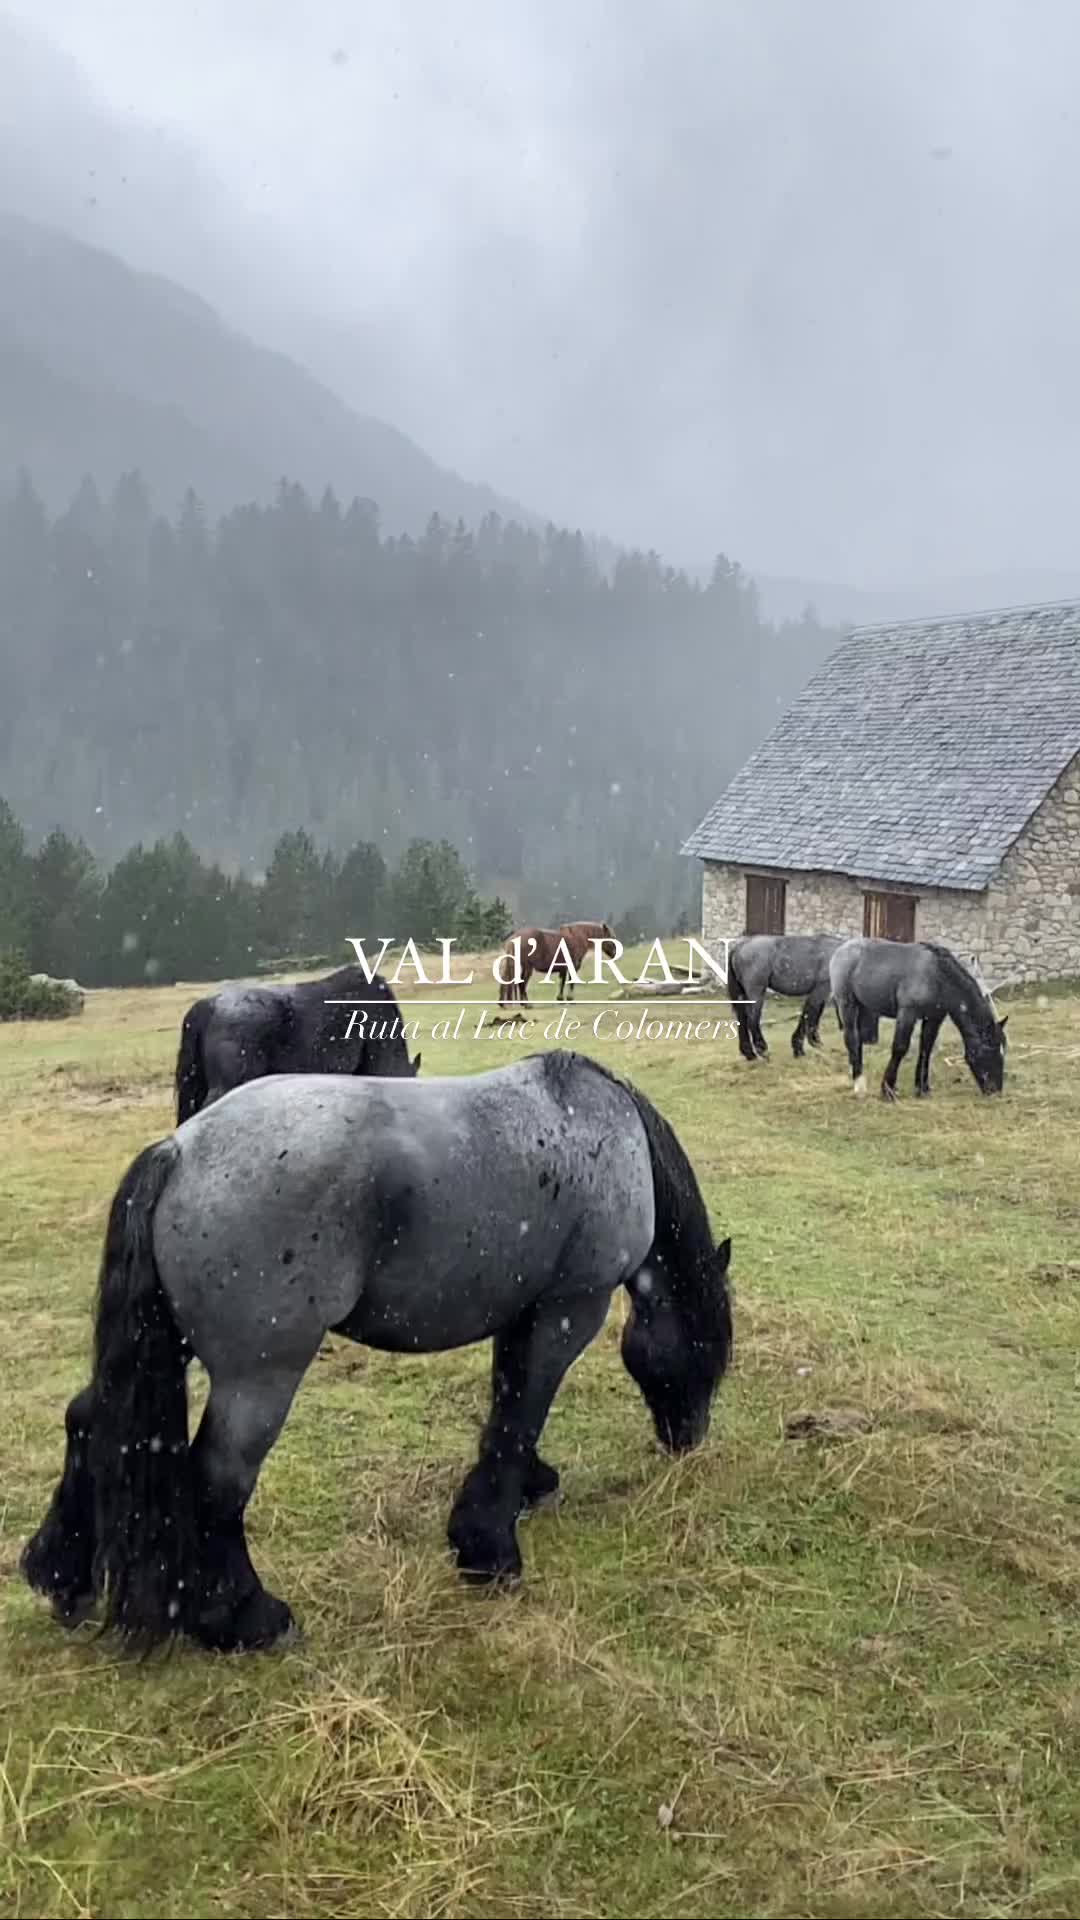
[795,281]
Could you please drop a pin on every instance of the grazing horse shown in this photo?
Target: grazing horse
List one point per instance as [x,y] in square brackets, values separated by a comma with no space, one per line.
[793,964]
[242,1033]
[908,981]
[411,1216]
[540,953]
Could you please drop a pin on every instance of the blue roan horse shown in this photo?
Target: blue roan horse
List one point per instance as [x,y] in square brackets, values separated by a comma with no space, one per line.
[409,1215]
[907,982]
[793,964]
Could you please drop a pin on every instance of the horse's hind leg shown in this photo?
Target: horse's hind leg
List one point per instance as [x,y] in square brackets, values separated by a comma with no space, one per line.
[902,1032]
[59,1560]
[931,1027]
[851,1021]
[761,1045]
[746,1043]
[239,1426]
[531,1357]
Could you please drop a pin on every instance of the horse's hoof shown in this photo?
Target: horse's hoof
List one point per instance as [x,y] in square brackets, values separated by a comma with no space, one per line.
[261,1621]
[491,1579]
[541,1488]
[544,1503]
[887,1092]
[859,1087]
[73,1613]
[482,1564]
[484,1558]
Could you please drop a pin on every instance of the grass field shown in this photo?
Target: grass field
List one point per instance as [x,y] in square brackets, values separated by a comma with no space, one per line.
[828,1666]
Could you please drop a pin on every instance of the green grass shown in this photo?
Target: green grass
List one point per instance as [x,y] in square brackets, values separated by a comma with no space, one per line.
[824,1671]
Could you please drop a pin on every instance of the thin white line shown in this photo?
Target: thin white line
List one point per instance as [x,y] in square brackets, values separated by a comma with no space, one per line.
[534,1004]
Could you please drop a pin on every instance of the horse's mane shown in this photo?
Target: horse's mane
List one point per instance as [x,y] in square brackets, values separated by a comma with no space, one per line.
[964,980]
[683,1241]
[350,979]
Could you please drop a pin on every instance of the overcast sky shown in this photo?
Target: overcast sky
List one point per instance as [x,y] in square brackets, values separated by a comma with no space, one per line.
[797,279]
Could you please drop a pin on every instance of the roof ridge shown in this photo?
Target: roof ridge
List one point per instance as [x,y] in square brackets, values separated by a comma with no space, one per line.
[961,619]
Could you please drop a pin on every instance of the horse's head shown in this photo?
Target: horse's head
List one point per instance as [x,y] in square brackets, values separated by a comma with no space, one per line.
[984,1052]
[675,1348]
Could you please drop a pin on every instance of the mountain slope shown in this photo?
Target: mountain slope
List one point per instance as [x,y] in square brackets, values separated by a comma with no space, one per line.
[103,369]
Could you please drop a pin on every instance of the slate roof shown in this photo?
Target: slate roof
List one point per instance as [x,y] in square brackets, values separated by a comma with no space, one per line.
[916,754]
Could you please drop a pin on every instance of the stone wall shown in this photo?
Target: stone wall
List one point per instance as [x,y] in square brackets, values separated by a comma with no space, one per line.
[1025,925]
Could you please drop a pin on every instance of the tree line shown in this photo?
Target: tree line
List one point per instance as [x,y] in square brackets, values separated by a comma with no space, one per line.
[563,722]
[162,913]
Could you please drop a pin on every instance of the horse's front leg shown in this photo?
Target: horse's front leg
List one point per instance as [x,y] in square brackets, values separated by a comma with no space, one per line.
[931,1027]
[531,1357]
[902,1032]
[812,1012]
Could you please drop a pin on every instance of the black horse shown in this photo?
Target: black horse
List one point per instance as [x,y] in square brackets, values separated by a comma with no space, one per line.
[411,1216]
[909,981]
[795,965]
[244,1033]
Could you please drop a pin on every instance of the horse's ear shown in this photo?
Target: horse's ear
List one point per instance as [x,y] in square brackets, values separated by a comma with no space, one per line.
[1003,1023]
[416,1064]
[721,1260]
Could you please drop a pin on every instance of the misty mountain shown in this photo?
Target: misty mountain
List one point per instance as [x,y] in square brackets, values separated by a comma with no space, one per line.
[287,666]
[103,369]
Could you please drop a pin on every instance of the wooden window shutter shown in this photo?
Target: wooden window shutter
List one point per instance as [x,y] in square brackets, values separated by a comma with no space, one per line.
[889,916]
[766,903]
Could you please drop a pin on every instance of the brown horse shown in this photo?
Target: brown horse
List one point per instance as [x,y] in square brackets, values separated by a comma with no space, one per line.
[540,954]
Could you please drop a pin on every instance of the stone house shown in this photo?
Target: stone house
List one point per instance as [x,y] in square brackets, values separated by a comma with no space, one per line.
[924,786]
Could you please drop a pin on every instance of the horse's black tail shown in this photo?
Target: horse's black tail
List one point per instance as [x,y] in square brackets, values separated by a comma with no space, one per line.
[738,994]
[191,1082]
[138,1447]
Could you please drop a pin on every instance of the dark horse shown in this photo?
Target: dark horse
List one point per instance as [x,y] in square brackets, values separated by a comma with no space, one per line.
[792,964]
[545,950]
[241,1033]
[908,981]
[412,1216]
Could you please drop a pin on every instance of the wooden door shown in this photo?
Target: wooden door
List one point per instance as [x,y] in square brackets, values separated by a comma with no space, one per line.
[889,916]
[766,900]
